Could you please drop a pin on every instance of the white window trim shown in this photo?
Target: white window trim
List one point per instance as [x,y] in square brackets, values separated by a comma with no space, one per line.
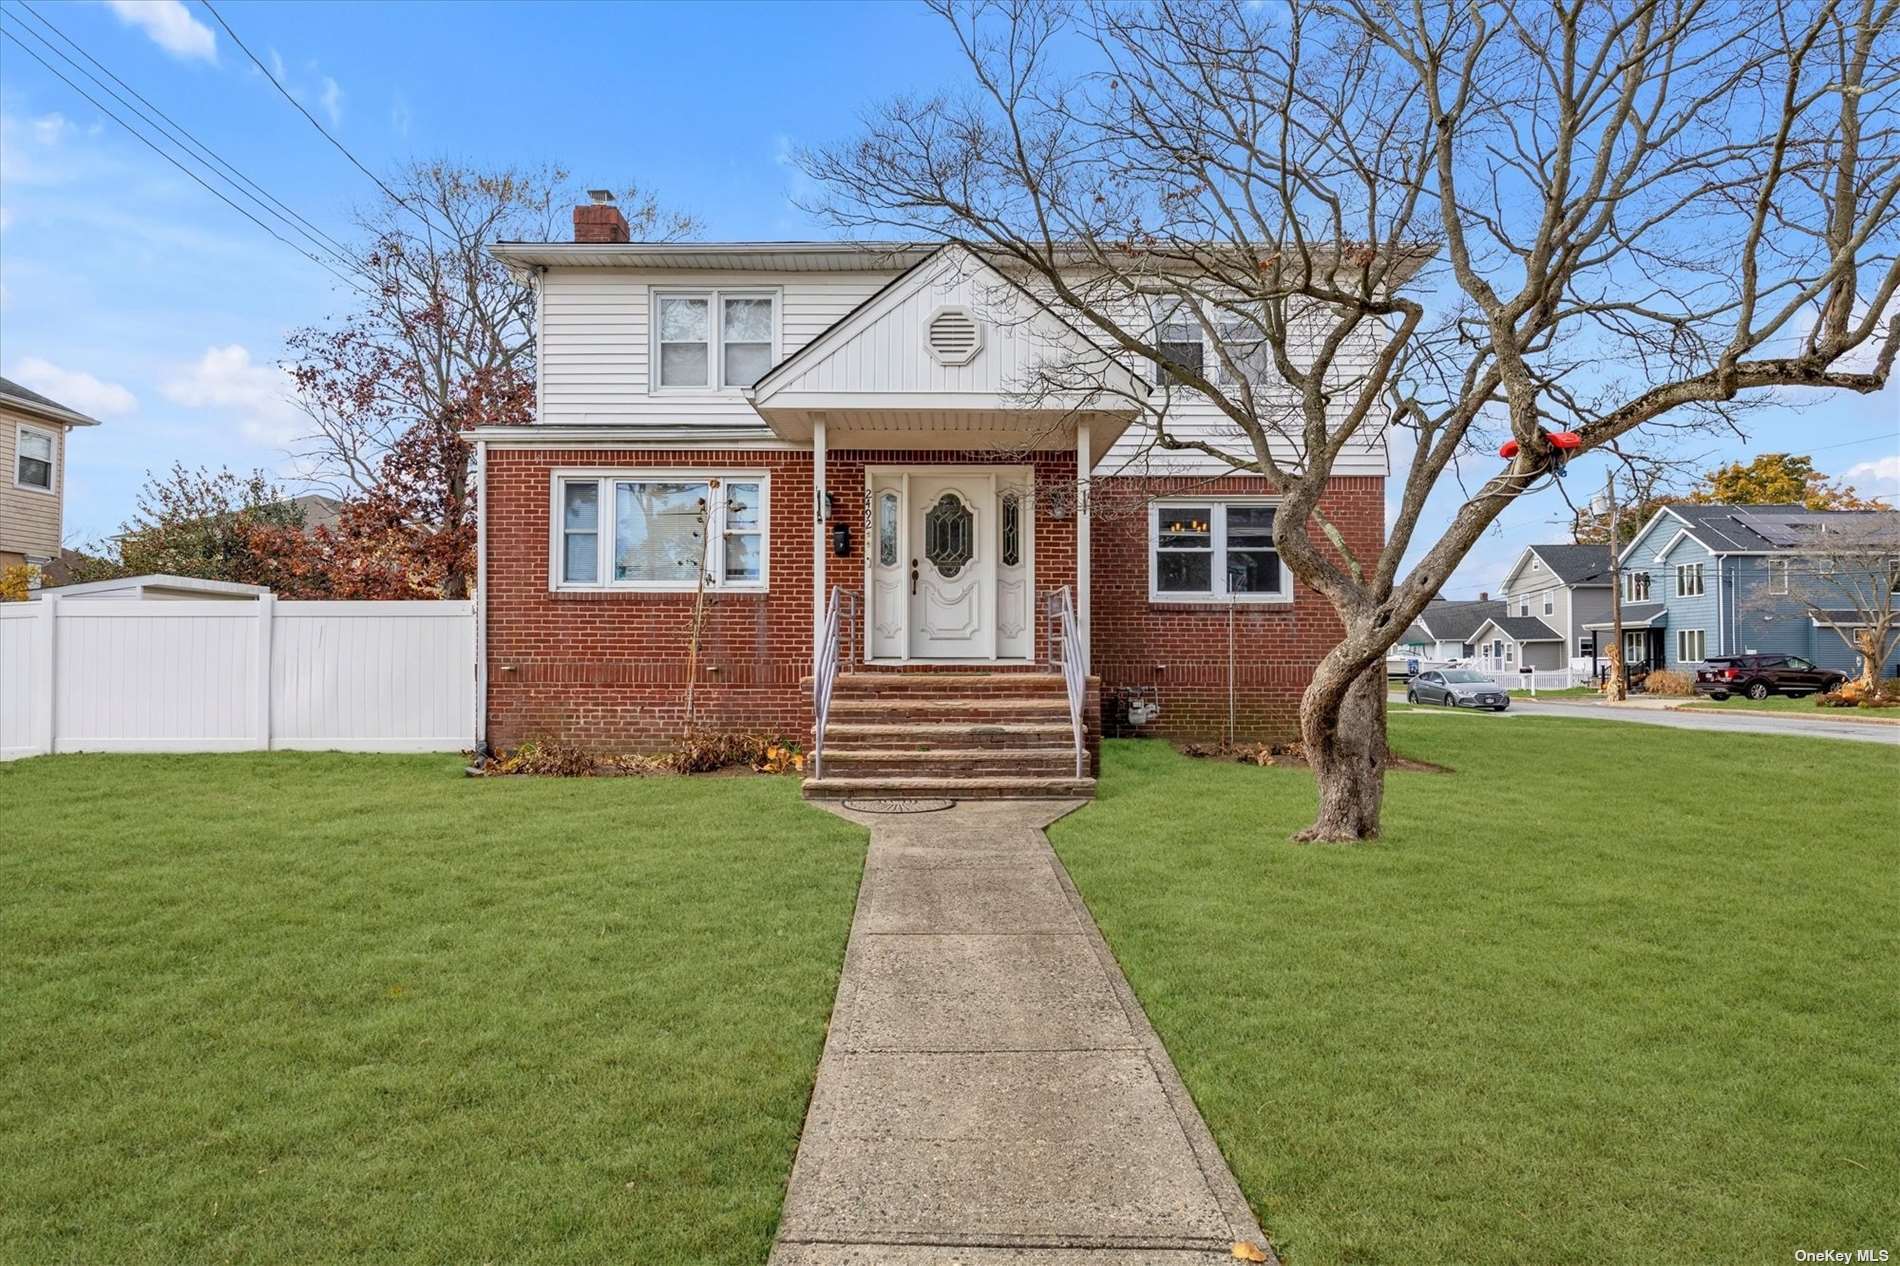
[1779,574]
[21,429]
[1217,533]
[1631,579]
[604,531]
[1683,572]
[1550,602]
[1702,646]
[715,334]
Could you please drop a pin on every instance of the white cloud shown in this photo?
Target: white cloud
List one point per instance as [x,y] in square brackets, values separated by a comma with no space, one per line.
[74,388]
[171,27]
[1880,477]
[224,378]
[49,129]
[331,99]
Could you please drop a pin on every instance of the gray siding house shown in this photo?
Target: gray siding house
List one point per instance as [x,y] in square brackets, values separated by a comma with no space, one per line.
[1565,588]
[1706,580]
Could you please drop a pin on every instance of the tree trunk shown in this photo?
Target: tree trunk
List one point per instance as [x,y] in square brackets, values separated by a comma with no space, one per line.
[1342,723]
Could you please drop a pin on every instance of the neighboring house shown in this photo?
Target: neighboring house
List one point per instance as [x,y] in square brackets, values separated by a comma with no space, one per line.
[33,488]
[1508,643]
[159,586]
[794,417]
[1564,588]
[1707,580]
[1449,630]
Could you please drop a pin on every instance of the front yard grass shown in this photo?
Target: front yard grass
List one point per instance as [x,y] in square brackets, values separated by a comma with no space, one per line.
[1786,705]
[323,1008]
[1605,994]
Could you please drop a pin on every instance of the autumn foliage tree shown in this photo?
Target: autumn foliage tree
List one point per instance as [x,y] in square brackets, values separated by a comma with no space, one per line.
[1778,479]
[440,339]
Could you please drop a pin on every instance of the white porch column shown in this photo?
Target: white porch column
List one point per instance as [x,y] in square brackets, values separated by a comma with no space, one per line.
[817,540]
[1082,512]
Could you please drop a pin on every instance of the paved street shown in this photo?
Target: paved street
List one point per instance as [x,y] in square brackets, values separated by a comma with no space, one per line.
[1737,722]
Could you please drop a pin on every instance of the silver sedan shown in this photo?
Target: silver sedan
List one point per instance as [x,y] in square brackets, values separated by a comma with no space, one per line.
[1457,688]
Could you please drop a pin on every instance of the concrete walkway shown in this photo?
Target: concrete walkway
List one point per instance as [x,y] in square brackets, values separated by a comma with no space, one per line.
[990,1091]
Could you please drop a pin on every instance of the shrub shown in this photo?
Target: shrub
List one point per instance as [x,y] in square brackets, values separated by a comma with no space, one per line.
[557,760]
[1665,682]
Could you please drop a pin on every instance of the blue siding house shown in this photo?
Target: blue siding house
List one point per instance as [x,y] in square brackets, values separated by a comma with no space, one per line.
[1705,580]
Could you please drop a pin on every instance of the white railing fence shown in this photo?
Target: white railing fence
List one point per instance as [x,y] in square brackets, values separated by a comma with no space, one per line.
[1065,652]
[1509,676]
[841,628]
[113,675]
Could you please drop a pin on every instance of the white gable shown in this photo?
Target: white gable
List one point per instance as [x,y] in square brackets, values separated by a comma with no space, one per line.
[950,327]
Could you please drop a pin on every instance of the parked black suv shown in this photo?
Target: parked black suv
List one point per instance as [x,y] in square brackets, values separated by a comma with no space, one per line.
[1759,676]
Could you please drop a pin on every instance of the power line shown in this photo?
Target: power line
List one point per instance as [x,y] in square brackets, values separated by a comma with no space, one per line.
[156,149]
[395,197]
[182,137]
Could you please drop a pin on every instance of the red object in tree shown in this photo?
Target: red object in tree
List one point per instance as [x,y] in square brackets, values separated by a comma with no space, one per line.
[1508,449]
[1566,440]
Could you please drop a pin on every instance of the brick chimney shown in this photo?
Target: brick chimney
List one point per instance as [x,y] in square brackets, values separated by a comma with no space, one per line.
[1482,596]
[600,221]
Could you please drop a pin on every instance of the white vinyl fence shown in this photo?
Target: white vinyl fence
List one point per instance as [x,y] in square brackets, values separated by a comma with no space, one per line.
[112,675]
[1509,676]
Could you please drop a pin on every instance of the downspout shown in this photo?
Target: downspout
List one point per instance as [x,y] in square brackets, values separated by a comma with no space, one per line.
[481,588]
[1721,640]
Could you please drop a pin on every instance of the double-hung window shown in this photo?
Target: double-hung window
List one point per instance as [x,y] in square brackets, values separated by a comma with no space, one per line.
[1214,551]
[1636,586]
[713,340]
[1688,580]
[1550,602]
[34,451]
[1690,645]
[1778,575]
[660,531]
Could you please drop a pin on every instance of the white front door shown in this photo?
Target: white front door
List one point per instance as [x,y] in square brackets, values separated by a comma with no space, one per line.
[952,567]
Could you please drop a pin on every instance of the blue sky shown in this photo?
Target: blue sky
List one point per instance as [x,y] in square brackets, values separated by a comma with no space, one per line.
[129,292]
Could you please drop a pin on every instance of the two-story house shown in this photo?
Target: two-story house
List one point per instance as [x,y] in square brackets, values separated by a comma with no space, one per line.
[1551,595]
[753,465]
[33,489]
[1446,631]
[1707,580]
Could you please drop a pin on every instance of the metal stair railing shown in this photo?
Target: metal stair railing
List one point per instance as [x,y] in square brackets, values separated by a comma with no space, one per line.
[1065,655]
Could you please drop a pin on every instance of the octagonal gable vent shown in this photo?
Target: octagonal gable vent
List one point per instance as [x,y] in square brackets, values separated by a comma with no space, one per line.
[954,336]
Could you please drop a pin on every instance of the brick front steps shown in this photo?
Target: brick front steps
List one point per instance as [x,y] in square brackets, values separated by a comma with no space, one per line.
[964,736]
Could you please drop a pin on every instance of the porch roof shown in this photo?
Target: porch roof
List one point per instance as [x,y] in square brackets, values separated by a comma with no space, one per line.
[1637,615]
[944,357]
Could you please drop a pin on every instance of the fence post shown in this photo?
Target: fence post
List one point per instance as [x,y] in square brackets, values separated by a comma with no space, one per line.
[40,732]
[266,620]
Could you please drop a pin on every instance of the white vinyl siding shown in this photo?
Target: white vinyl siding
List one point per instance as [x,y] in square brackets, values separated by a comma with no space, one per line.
[653,530]
[597,339]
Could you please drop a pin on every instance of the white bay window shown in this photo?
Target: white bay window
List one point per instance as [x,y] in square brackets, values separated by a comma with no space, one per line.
[658,530]
[713,340]
[1214,551]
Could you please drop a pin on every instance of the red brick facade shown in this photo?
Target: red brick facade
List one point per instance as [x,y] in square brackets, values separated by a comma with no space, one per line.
[609,669]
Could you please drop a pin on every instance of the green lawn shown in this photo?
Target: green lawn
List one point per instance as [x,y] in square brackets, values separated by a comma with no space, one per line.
[1804,707]
[1604,995]
[319,1008]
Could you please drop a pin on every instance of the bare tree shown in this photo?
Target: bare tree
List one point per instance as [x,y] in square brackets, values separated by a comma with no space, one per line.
[1845,583]
[441,339]
[1465,219]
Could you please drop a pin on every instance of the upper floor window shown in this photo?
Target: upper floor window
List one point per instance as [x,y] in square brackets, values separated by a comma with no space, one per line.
[1778,575]
[1636,586]
[34,454]
[1212,551]
[659,531]
[1550,602]
[1688,580]
[1182,341]
[713,340]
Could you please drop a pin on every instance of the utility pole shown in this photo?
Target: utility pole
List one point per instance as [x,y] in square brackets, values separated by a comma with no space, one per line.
[1616,688]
